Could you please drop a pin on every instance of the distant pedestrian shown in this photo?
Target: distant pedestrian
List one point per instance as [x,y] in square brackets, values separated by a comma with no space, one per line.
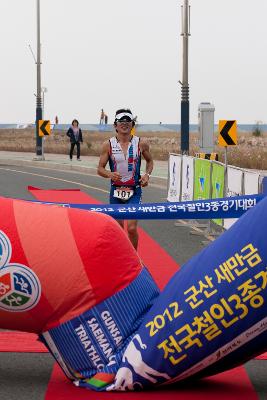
[102,117]
[106,119]
[76,137]
[56,122]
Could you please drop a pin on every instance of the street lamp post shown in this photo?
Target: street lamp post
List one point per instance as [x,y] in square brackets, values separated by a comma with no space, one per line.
[39,142]
[185,84]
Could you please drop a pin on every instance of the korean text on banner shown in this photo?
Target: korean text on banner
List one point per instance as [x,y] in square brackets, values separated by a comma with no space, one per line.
[217,184]
[187,192]
[234,188]
[210,317]
[202,182]
[175,165]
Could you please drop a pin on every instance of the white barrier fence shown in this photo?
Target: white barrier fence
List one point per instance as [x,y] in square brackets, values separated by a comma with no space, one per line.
[191,178]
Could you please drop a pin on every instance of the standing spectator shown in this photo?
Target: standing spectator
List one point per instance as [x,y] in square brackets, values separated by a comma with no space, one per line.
[56,122]
[102,117]
[106,119]
[75,135]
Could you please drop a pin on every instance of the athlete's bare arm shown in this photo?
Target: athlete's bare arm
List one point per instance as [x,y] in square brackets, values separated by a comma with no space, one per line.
[145,150]
[103,160]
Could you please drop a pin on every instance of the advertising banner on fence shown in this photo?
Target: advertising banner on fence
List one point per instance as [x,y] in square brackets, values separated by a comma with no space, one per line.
[263,184]
[251,182]
[202,184]
[234,188]
[187,192]
[217,184]
[174,178]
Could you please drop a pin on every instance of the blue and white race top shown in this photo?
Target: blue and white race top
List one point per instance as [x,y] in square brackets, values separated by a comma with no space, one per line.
[128,166]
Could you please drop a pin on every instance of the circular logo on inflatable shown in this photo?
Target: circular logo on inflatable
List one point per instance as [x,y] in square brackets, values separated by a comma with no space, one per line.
[20,288]
[5,249]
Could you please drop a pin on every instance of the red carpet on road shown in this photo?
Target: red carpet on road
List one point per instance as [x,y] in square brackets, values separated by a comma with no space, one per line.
[230,385]
[74,196]
[263,356]
[20,342]
[159,263]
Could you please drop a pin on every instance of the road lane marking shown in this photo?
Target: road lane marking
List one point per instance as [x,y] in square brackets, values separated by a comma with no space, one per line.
[186,223]
[57,179]
[154,185]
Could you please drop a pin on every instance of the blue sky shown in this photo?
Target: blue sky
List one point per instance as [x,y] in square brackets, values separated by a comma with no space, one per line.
[116,53]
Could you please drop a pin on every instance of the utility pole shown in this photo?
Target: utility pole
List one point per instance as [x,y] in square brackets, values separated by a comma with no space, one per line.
[185,85]
[44,90]
[39,141]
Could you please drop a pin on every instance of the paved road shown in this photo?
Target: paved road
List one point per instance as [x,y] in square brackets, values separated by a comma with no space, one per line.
[14,181]
[25,376]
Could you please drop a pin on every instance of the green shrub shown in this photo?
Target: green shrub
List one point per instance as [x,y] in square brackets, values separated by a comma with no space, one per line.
[256,131]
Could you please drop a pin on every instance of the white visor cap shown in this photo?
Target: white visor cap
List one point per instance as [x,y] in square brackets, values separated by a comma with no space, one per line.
[122,115]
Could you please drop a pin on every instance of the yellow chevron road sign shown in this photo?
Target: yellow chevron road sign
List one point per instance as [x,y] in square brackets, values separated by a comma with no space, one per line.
[44,128]
[227,133]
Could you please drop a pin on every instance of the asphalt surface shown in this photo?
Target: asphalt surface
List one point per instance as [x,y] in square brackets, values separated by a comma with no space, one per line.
[178,242]
[25,376]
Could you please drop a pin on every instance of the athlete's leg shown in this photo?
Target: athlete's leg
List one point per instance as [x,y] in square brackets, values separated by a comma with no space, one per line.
[132,224]
[114,200]
[120,222]
[132,232]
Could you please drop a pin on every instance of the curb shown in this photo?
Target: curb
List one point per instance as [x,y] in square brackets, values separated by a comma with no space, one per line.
[46,165]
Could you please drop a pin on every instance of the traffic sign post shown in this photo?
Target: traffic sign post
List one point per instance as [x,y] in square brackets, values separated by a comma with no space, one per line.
[227,137]
[227,133]
[44,128]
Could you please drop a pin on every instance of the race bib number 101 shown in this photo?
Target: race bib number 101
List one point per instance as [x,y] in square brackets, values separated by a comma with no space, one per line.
[123,193]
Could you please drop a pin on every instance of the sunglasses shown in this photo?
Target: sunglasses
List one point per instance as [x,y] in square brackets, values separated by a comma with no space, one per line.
[124,121]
